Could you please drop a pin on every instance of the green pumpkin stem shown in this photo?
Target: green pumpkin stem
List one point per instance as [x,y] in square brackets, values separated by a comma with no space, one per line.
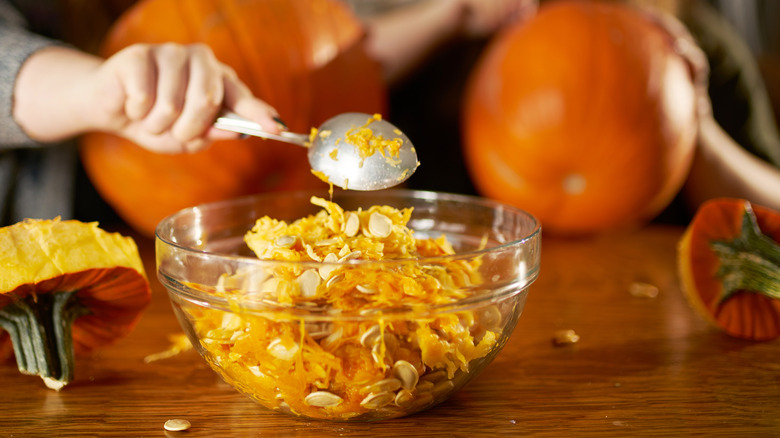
[40,331]
[750,262]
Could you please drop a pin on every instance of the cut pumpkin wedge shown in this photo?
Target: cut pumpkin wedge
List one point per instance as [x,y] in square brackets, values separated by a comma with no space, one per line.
[66,287]
[729,262]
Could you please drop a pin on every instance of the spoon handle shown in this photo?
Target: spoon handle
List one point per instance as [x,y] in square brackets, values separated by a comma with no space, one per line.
[230,121]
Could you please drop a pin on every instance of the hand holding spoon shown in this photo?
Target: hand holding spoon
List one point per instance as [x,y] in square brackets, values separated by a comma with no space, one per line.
[354,151]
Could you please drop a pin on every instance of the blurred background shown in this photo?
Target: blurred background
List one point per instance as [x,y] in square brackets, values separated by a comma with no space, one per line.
[427,104]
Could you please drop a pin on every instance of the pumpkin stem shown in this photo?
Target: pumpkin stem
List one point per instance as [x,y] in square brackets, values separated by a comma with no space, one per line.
[750,262]
[40,331]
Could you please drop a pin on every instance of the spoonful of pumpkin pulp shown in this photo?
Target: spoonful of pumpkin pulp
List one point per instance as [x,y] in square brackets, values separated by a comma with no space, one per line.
[354,151]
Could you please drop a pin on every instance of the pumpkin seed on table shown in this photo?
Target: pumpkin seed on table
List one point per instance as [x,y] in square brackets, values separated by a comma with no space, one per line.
[565,337]
[177,425]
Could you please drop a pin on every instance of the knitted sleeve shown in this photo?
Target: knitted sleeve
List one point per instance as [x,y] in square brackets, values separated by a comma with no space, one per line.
[16,45]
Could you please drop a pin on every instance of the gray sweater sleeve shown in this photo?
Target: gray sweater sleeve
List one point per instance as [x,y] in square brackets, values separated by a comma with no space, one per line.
[16,45]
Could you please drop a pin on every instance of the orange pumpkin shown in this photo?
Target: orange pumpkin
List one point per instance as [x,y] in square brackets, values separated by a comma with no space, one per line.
[585,116]
[729,261]
[305,57]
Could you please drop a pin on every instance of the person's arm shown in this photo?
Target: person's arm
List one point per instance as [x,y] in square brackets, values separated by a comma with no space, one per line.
[164,97]
[16,46]
[404,37]
[723,168]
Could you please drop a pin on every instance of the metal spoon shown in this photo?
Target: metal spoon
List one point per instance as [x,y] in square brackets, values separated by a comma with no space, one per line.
[343,167]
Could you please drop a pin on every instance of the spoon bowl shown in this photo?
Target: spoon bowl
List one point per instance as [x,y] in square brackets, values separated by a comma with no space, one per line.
[336,155]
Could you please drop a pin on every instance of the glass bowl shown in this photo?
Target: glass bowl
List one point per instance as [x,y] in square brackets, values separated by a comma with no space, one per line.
[440,319]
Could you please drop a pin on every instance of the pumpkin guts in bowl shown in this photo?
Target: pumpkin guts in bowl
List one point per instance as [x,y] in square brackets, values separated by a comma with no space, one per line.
[369,307]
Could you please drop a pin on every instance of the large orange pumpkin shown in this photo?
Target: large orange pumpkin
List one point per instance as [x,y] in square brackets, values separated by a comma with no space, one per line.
[305,57]
[585,116]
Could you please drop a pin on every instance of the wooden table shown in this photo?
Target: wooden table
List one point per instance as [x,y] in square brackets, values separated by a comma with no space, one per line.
[643,366]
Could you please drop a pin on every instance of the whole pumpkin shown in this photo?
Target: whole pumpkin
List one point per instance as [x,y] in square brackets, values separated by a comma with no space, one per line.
[585,116]
[305,57]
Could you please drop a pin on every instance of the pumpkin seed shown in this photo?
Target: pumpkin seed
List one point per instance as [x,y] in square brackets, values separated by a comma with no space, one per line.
[312,254]
[350,256]
[281,351]
[270,286]
[371,336]
[317,330]
[421,401]
[332,338]
[254,369]
[344,250]
[333,280]
[443,387]
[325,271]
[365,289]
[285,241]
[322,399]
[404,398]
[308,281]
[385,385]
[352,224]
[381,358]
[177,425]
[376,401]
[564,337]
[379,225]
[231,321]
[406,373]
[490,316]
[423,386]
[643,290]
[327,242]
[434,376]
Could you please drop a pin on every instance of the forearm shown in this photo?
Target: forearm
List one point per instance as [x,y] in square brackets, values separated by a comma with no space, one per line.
[52,99]
[723,168]
[403,38]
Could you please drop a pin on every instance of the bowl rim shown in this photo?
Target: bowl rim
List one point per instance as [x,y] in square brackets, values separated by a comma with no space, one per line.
[199,296]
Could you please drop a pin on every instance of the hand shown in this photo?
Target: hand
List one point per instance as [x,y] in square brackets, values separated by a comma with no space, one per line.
[163,97]
[166,97]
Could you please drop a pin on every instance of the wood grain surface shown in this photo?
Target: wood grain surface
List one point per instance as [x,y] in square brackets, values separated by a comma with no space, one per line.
[643,366]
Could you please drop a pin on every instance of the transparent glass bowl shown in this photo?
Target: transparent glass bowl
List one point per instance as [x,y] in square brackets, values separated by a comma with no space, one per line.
[313,360]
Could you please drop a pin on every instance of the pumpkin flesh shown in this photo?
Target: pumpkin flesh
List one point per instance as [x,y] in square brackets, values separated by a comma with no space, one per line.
[67,288]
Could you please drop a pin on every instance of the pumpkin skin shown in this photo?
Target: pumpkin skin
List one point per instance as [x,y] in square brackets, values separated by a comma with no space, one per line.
[752,311]
[66,288]
[584,116]
[304,57]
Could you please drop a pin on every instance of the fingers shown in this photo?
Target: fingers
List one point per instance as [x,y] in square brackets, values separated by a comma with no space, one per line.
[137,72]
[203,96]
[172,68]
[173,93]
[239,99]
